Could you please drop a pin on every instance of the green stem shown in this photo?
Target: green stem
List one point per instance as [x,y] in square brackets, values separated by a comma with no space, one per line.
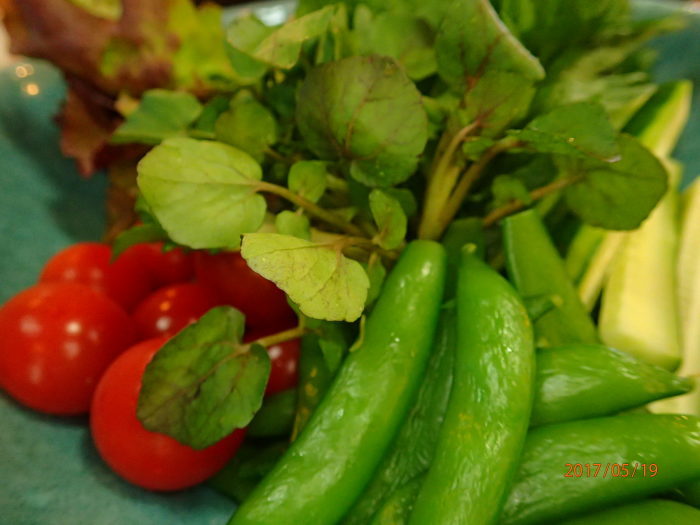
[281,337]
[311,208]
[201,134]
[536,194]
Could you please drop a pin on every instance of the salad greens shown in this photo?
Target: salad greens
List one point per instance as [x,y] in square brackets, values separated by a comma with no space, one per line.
[322,146]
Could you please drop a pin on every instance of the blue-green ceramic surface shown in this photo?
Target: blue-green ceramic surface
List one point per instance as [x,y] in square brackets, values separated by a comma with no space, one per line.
[50,473]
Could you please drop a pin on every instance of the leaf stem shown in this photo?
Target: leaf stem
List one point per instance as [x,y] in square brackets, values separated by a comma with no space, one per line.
[536,194]
[311,208]
[281,337]
[277,156]
[469,178]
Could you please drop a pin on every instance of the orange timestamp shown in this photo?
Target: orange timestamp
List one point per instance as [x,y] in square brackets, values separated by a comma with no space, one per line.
[611,470]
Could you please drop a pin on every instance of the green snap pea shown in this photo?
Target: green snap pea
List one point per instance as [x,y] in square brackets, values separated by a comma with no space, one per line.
[397,508]
[690,493]
[328,465]
[537,270]
[276,416]
[549,487]
[412,450]
[583,381]
[649,512]
[489,406]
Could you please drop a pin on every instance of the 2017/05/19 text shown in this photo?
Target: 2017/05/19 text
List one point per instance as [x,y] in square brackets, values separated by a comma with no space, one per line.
[614,470]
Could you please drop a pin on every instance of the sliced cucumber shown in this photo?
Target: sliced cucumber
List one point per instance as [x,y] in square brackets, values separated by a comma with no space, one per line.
[689,303]
[639,311]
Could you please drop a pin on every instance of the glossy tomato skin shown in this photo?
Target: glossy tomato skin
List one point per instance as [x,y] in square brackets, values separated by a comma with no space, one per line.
[56,340]
[284,363]
[126,280]
[166,267]
[169,309]
[147,459]
[264,305]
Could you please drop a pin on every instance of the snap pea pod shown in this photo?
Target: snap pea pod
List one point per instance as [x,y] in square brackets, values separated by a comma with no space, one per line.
[536,269]
[331,461]
[690,493]
[412,450]
[583,381]
[489,406]
[649,512]
[396,510]
[634,442]
[314,379]
[276,416]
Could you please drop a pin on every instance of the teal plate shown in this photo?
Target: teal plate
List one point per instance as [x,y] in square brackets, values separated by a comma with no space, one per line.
[50,473]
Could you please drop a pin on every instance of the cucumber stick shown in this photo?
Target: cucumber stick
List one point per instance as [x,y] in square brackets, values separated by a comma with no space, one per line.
[689,302]
[639,310]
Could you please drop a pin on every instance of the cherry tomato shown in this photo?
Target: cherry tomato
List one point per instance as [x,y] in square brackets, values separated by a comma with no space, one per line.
[264,305]
[169,309]
[284,361]
[148,459]
[126,280]
[56,340]
[166,267]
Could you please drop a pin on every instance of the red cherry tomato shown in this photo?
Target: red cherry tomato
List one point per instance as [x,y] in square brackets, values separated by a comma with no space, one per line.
[169,309]
[126,280]
[147,459]
[56,340]
[173,266]
[284,361]
[264,305]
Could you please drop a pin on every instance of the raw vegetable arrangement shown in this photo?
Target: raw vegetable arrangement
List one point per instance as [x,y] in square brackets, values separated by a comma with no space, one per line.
[431,259]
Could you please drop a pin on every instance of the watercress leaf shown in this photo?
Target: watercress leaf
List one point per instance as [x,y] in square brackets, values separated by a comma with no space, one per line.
[161,114]
[376,273]
[497,100]
[474,147]
[149,232]
[308,178]
[390,219]
[581,130]
[243,35]
[202,192]
[210,113]
[506,188]
[472,41]
[406,198]
[401,36]
[204,383]
[281,47]
[318,277]
[616,195]
[289,223]
[366,112]
[247,125]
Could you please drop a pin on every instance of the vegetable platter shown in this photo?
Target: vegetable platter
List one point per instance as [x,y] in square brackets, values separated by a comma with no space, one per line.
[483,219]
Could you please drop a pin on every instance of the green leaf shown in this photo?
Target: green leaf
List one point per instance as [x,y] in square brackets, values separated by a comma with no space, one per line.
[247,125]
[210,113]
[204,383]
[281,47]
[243,35]
[390,219]
[579,130]
[406,198]
[202,192]
[497,100]
[401,36]
[506,188]
[376,273]
[367,112]
[318,277]
[137,235]
[308,178]
[472,41]
[334,340]
[616,195]
[160,115]
[474,147]
[290,223]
